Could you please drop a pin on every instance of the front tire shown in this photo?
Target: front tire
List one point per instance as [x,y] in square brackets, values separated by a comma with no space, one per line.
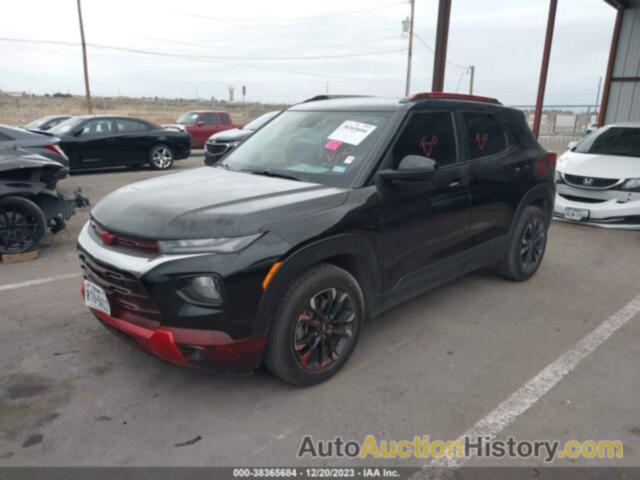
[161,157]
[316,327]
[528,245]
[22,225]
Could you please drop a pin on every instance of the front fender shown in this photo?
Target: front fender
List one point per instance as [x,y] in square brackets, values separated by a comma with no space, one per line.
[357,246]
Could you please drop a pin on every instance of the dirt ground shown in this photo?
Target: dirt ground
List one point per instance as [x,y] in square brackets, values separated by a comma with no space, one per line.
[21,110]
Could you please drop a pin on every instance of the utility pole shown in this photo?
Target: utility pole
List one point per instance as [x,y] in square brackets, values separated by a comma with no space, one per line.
[410,49]
[544,69]
[472,72]
[442,39]
[84,60]
[598,93]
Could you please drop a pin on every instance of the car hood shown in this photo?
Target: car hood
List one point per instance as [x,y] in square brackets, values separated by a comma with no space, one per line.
[233,135]
[599,166]
[210,202]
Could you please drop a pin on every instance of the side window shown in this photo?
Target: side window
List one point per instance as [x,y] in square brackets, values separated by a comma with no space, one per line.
[224,119]
[129,126]
[208,119]
[97,127]
[5,138]
[485,135]
[428,134]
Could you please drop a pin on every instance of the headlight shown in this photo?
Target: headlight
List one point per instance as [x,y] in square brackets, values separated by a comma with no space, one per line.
[558,177]
[207,245]
[631,185]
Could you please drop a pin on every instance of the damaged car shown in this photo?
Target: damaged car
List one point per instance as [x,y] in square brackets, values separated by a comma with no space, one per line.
[29,202]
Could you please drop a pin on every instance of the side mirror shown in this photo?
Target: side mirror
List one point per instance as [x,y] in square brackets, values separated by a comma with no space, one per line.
[572,145]
[200,123]
[412,168]
[76,133]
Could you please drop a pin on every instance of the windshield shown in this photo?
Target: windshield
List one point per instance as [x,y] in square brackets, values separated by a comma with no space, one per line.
[319,147]
[188,118]
[260,121]
[624,141]
[66,126]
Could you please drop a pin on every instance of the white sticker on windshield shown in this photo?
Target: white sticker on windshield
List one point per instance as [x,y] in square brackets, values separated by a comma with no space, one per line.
[349,160]
[352,132]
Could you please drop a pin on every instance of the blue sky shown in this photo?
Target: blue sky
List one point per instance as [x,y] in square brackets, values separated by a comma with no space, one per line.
[255,43]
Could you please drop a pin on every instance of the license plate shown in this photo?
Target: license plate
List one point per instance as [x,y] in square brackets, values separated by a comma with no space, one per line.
[95,297]
[576,213]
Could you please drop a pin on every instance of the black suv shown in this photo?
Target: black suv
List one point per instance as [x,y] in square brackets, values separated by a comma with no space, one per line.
[333,212]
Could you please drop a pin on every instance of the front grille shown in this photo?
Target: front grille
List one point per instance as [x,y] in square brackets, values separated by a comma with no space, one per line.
[590,182]
[127,296]
[574,198]
[217,148]
[124,240]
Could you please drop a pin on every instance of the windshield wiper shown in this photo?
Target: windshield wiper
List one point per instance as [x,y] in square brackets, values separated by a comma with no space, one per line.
[271,173]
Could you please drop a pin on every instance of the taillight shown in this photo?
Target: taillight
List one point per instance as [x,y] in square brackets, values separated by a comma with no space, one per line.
[553,158]
[55,149]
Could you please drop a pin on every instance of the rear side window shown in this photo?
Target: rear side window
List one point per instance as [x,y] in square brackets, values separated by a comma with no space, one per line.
[127,126]
[428,134]
[485,134]
[224,119]
[209,119]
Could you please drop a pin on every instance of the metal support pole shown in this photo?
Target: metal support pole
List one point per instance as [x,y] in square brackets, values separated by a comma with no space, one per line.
[84,60]
[442,37]
[612,59]
[407,88]
[544,70]
[472,73]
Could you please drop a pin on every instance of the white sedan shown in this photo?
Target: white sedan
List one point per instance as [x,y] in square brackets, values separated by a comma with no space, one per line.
[598,179]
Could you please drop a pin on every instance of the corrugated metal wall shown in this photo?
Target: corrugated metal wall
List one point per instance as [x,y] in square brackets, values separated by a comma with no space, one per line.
[624,99]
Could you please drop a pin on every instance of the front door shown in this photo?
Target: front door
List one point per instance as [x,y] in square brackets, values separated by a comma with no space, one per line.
[94,144]
[425,223]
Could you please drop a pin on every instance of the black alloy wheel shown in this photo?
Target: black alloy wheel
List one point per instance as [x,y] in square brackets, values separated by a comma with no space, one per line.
[532,245]
[316,326]
[527,245]
[22,225]
[324,328]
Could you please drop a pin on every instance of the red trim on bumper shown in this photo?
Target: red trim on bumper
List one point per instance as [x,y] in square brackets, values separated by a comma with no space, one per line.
[219,350]
[159,342]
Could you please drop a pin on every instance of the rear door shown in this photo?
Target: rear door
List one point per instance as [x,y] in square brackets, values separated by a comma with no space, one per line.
[499,176]
[425,223]
[132,141]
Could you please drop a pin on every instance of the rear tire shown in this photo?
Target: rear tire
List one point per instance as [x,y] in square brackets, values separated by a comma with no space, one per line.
[316,326]
[161,157]
[22,225]
[528,244]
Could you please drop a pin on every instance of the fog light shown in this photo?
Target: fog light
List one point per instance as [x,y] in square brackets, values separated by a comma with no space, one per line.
[206,288]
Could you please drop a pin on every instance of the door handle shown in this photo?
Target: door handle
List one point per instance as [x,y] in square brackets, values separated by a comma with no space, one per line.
[459,182]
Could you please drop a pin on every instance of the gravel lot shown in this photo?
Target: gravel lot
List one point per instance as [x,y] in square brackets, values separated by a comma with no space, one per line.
[72,394]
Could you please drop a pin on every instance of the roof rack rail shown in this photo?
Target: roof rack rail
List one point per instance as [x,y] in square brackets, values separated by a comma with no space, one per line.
[450,96]
[331,97]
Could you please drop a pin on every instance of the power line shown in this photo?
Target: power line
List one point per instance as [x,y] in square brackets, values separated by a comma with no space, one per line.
[291,19]
[191,58]
[207,57]
[430,48]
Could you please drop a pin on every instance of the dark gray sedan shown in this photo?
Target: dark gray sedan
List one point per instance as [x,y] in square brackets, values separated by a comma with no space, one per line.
[44,145]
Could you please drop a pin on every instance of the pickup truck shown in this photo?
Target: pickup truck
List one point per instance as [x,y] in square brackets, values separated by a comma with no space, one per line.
[202,124]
